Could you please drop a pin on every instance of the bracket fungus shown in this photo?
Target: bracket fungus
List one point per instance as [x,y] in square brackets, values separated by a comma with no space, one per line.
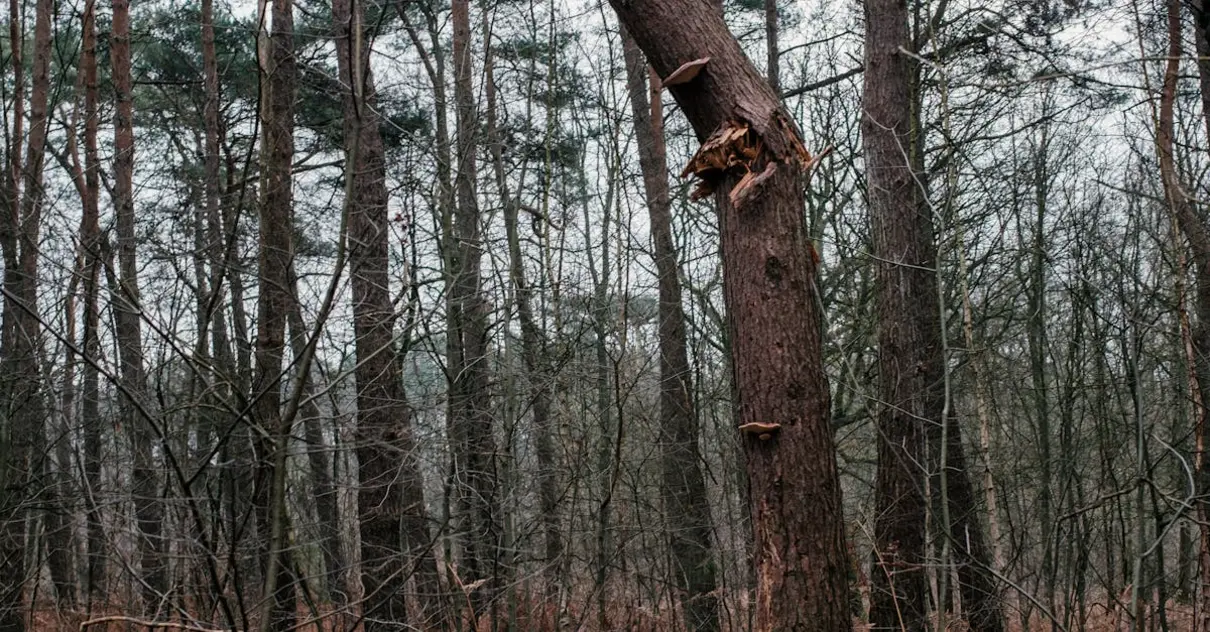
[760,430]
[685,73]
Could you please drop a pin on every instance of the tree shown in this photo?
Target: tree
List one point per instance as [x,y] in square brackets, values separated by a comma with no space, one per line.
[470,416]
[915,423]
[23,405]
[1197,233]
[276,257]
[686,507]
[391,494]
[128,324]
[781,394]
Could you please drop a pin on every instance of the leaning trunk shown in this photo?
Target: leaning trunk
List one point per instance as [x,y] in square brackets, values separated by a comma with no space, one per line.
[773,320]
[1198,235]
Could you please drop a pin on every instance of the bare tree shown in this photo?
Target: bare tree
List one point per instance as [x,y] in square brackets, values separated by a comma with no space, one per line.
[686,507]
[276,257]
[470,415]
[917,431]
[391,494]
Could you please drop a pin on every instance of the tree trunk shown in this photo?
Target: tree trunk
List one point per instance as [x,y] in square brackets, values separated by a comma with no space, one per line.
[686,507]
[128,325]
[772,52]
[276,255]
[773,318]
[21,389]
[470,416]
[1198,234]
[911,358]
[391,493]
[90,234]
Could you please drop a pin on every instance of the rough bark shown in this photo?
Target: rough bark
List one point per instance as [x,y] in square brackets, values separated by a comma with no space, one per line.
[470,418]
[1197,233]
[773,319]
[90,232]
[899,599]
[686,508]
[21,387]
[275,259]
[911,360]
[128,324]
[391,493]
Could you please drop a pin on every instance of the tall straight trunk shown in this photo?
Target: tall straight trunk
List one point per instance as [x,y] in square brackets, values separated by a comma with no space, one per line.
[773,319]
[772,52]
[913,384]
[1198,235]
[215,238]
[391,492]
[12,454]
[899,598]
[149,513]
[90,233]
[599,269]
[276,254]
[320,459]
[1037,344]
[21,388]
[686,507]
[533,350]
[470,415]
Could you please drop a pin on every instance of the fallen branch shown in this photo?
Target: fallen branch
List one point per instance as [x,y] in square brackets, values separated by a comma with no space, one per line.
[150,625]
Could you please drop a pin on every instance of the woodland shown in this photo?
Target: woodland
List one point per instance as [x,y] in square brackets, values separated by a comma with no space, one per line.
[701,315]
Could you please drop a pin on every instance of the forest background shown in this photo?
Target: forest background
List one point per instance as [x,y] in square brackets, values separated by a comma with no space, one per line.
[404,316]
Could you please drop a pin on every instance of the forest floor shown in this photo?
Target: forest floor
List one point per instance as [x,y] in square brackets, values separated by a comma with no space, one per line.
[1179,617]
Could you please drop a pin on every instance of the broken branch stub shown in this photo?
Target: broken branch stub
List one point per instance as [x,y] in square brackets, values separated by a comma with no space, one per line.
[737,145]
[733,145]
[748,188]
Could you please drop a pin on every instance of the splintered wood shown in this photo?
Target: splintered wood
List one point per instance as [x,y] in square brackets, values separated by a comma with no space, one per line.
[735,147]
[731,146]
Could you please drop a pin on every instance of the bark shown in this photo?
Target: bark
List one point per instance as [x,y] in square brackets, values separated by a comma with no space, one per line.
[128,325]
[391,492]
[319,457]
[772,52]
[470,417]
[90,232]
[1037,344]
[22,385]
[275,259]
[899,597]
[773,319]
[1197,233]
[686,507]
[913,386]
[215,244]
